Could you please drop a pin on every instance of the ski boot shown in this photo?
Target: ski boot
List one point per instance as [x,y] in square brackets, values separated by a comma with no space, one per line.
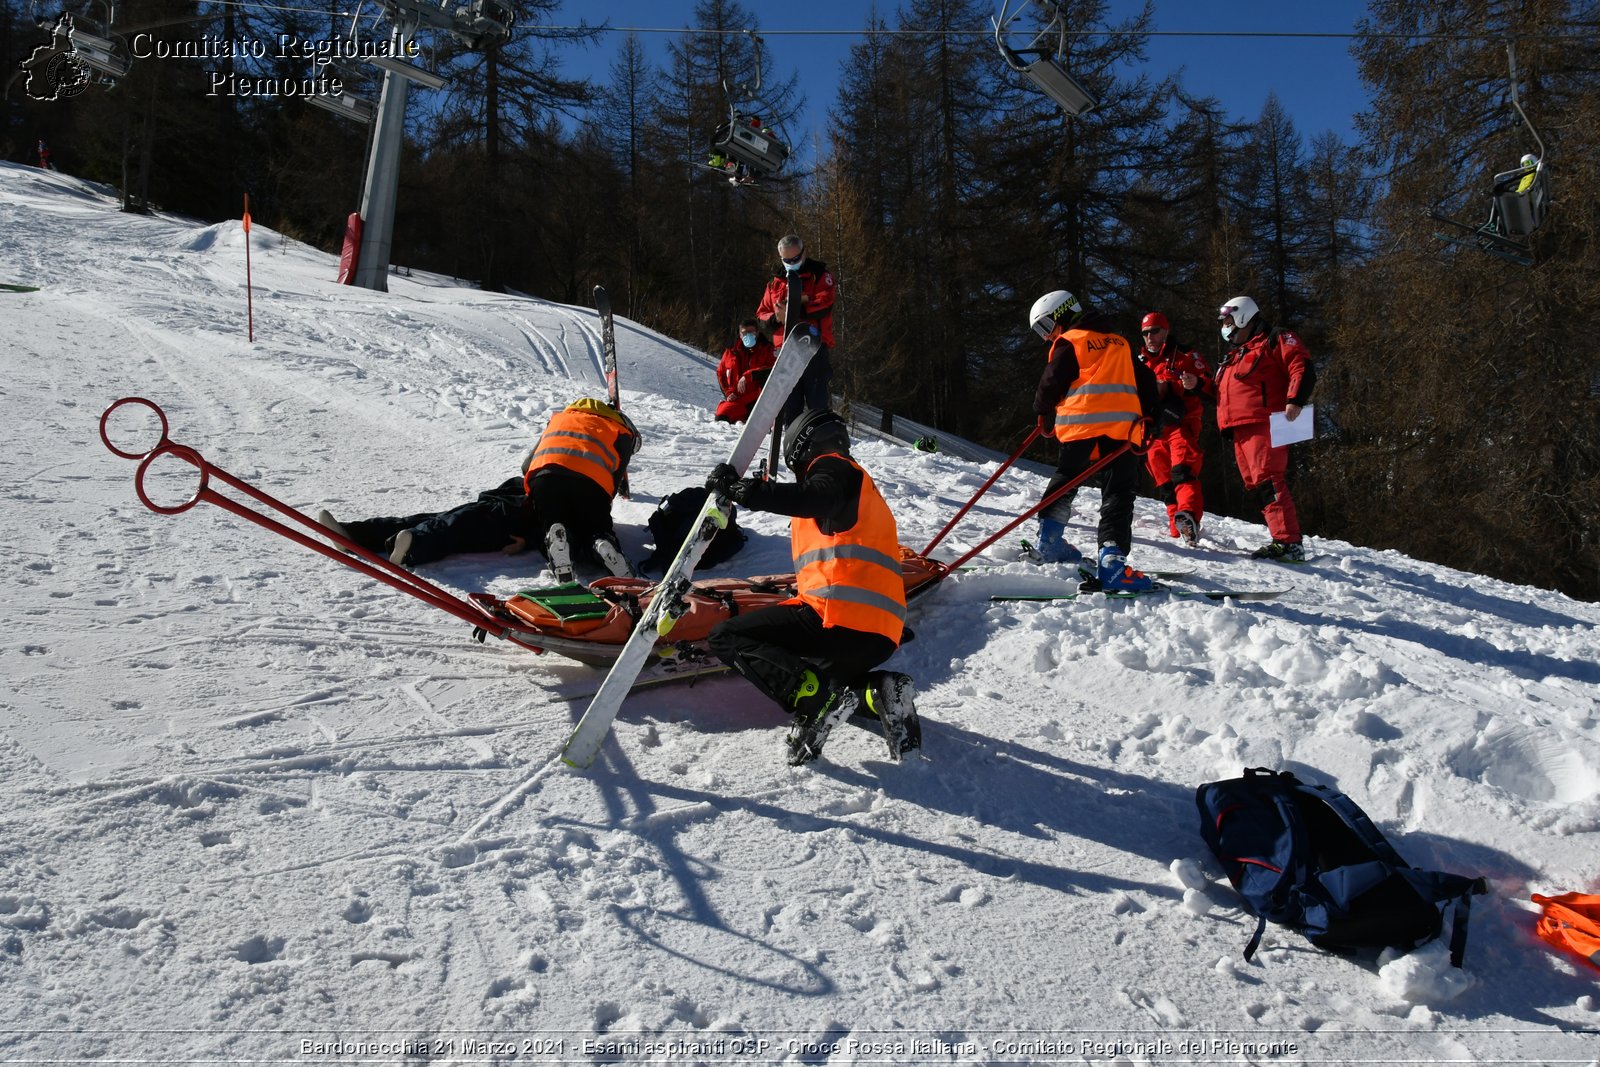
[325,518]
[610,554]
[558,552]
[1281,552]
[401,547]
[1053,546]
[818,708]
[1119,579]
[1187,528]
[891,698]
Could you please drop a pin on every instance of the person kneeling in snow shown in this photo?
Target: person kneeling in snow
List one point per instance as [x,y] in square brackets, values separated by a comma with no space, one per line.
[814,654]
[564,494]
[743,371]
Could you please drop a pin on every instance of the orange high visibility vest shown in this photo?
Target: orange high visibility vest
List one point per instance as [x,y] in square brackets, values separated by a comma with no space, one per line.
[852,579]
[581,441]
[1103,401]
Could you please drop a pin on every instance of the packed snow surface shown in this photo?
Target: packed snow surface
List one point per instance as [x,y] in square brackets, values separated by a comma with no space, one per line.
[258,806]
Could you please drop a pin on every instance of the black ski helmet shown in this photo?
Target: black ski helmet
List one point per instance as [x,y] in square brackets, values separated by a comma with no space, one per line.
[814,433]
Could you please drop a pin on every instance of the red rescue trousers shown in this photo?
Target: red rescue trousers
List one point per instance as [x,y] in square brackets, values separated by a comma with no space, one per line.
[1174,455]
[1260,464]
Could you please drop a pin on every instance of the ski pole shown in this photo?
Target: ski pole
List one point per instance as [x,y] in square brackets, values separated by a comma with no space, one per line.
[1095,468]
[981,490]
[365,561]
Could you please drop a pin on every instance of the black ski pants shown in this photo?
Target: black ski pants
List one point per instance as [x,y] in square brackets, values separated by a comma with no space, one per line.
[578,503]
[1119,485]
[773,646]
[487,524]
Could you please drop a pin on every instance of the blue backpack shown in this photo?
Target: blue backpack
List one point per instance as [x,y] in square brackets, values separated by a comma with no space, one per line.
[1308,857]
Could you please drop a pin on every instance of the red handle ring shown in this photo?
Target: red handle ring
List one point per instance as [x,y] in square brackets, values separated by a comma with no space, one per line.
[162,415]
[188,455]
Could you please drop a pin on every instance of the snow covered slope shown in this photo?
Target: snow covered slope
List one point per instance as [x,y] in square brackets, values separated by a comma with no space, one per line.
[256,806]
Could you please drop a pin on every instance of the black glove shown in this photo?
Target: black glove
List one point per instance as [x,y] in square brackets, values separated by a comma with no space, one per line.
[724,481]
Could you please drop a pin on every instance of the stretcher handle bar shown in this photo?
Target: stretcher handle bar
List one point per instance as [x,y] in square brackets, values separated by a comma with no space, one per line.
[358,559]
[984,488]
[1095,468]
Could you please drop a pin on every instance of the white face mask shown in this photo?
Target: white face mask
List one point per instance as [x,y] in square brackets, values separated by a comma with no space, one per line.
[747,339]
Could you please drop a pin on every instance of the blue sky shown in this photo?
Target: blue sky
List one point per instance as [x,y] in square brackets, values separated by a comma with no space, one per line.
[1315,79]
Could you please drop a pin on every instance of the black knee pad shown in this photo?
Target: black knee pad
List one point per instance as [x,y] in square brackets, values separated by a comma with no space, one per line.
[1165,492]
[1266,493]
[1181,473]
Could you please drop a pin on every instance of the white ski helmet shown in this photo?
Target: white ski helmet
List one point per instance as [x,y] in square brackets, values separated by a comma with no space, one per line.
[1242,309]
[1049,311]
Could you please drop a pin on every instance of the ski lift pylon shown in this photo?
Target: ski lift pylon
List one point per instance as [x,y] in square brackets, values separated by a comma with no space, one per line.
[1041,61]
[1517,207]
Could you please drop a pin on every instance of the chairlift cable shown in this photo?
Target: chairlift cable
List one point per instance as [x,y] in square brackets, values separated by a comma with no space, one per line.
[1105,32]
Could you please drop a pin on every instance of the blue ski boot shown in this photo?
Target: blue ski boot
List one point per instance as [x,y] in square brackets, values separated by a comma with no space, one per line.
[1117,578]
[1053,546]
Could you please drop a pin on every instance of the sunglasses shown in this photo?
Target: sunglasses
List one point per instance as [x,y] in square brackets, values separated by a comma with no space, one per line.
[1154,329]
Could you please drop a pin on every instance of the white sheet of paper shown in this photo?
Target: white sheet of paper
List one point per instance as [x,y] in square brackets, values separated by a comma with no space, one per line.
[1285,432]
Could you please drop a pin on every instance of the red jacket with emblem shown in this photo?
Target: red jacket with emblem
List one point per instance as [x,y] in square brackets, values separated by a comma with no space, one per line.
[1264,373]
[737,361]
[1169,365]
[816,295]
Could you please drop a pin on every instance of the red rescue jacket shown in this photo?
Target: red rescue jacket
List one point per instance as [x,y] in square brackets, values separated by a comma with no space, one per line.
[817,292]
[737,361]
[1169,365]
[1265,373]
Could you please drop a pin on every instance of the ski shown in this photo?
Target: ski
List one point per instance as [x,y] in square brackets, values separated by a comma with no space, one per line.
[6,287]
[668,603]
[1030,555]
[1159,590]
[608,340]
[659,674]
[794,312]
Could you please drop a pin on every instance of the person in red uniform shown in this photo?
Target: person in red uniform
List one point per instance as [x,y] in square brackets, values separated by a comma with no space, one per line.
[1093,397]
[743,371]
[1174,457]
[814,654]
[815,313]
[1266,371]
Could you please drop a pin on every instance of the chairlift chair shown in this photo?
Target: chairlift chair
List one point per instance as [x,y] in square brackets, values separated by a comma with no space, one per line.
[104,55]
[93,42]
[744,142]
[1515,213]
[485,23]
[346,105]
[744,138]
[1041,61]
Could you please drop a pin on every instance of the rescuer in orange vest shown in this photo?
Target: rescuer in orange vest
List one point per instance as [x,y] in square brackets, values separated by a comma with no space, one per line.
[814,654]
[565,488]
[1093,397]
[572,476]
